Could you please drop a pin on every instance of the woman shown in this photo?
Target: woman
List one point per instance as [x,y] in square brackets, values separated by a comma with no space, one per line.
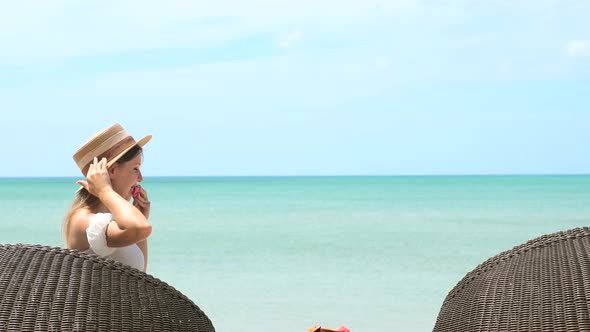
[102,220]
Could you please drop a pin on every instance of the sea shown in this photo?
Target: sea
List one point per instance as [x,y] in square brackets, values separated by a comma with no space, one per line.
[372,253]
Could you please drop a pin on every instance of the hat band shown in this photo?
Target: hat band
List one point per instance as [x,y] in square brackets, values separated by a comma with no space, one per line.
[97,146]
[113,151]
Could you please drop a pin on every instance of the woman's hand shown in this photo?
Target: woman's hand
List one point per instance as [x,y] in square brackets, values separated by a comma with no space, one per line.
[97,178]
[142,203]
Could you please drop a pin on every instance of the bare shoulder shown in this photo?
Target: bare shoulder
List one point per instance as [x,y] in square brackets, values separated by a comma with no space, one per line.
[78,225]
[81,219]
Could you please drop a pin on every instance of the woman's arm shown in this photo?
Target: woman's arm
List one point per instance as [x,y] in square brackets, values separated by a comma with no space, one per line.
[142,203]
[143,246]
[130,225]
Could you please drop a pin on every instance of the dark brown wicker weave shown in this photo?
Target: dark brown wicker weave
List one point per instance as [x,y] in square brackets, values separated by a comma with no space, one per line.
[542,285]
[52,289]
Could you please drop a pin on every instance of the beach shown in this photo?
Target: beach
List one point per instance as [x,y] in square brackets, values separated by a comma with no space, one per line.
[367,252]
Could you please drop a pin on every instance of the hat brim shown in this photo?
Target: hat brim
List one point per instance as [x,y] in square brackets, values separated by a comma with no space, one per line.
[113,160]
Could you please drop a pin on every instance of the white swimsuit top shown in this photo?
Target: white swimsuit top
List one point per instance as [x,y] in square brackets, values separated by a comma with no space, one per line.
[97,239]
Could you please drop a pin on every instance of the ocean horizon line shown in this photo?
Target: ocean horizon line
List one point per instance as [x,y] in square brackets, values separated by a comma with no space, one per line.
[319,175]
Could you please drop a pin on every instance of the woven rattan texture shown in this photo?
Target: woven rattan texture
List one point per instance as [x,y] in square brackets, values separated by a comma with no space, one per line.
[542,285]
[52,289]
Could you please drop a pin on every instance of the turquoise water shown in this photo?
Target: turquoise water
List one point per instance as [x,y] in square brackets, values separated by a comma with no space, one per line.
[371,253]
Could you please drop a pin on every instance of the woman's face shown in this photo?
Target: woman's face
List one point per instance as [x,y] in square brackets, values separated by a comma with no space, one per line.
[125,175]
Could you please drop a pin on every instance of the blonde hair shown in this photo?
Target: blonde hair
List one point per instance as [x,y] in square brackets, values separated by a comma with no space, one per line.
[83,200]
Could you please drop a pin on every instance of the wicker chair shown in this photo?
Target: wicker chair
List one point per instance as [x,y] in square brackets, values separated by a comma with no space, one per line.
[542,285]
[52,289]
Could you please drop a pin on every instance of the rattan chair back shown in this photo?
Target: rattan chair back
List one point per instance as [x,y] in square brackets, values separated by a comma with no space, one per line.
[53,289]
[541,285]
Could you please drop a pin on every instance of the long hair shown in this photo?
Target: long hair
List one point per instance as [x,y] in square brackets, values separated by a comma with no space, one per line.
[85,200]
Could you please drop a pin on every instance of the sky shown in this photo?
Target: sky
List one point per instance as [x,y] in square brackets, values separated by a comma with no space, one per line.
[280,87]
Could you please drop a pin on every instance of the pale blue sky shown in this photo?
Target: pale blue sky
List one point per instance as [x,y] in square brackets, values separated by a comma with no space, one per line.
[278,87]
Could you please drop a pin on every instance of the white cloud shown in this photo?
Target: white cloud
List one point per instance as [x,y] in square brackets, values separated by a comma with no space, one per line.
[383,63]
[290,39]
[35,32]
[441,39]
[578,48]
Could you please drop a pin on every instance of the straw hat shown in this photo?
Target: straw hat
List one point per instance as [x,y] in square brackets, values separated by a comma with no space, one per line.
[111,143]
